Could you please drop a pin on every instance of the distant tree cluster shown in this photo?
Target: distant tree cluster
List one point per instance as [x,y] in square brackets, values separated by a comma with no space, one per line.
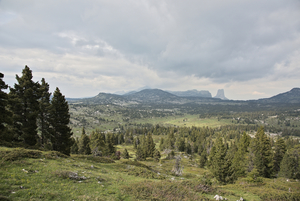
[30,117]
[97,144]
[230,154]
[145,147]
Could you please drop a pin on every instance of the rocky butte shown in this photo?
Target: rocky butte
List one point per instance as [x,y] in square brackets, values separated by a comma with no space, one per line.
[221,94]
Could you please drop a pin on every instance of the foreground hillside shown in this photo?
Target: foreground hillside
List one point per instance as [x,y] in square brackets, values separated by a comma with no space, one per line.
[36,175]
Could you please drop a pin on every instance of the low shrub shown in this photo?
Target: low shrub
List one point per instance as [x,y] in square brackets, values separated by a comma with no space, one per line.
[197,186]
[54,155]
[68,175]
[95,158]
[164,190]
[142,172]
[4,198]
[135,163]
[19,153]
[281,197]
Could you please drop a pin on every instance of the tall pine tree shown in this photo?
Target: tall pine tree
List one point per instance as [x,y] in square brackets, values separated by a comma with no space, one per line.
[290,164]
[59,123]
[74,147]
[84,144]
[44,112]
[97,141]
[203,159]
[109,145]
[280,149]
[263,158]
[25,107]
[219,163]
[239,162]
[5,115]
[149,145]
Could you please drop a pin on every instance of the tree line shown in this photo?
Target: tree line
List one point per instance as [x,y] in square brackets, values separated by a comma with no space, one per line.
[30,117]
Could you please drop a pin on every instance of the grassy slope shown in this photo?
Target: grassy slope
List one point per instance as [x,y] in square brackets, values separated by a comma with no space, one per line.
[46,178]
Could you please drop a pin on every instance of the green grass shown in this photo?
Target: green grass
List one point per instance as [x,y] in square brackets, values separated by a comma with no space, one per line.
[194,120]
[186,120]
[36,175]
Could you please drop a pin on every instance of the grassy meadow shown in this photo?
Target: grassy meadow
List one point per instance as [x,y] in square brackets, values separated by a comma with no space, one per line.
[37,175]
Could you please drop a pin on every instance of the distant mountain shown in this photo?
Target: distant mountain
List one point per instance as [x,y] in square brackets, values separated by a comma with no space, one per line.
[102,98]
[135,91]
[192,93]
[292,96]
[120,92]
[158,96]
[152,95]
[221,94]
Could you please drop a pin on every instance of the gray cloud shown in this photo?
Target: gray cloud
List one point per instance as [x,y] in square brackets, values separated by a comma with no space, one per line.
[219,42]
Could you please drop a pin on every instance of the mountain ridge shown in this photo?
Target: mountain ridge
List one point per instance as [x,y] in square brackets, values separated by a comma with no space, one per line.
[158,96]
[292,96]
[192,93]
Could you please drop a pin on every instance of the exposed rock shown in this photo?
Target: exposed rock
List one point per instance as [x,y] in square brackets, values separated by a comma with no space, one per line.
[221,94]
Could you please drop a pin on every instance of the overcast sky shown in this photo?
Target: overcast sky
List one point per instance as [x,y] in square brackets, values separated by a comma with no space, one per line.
[249,48]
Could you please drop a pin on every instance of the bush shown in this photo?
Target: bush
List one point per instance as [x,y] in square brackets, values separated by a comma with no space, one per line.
[164,190]
[4,198]
[142,172]
[197,186]
[135,163]
[281,197]
[69,175]
[54,155]
[95,158]
[20,153]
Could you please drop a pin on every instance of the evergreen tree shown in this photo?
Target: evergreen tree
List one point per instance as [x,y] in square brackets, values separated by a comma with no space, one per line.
[290,164]
[136,142]
[140,154]
[74,147]
[188,148]
[244,142]
[203,159]
[125,154]
[211,156]
[280,149]
[170,141]
[253,176]
[180,144]
[84,144]
[25,107]
[120,138]
[44,112]
[109,145]
[97,141]
[59,121]
[239,161]
[5,115]
[156,155]
[149,146]
[219,164]
[161,144]
[263,158]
